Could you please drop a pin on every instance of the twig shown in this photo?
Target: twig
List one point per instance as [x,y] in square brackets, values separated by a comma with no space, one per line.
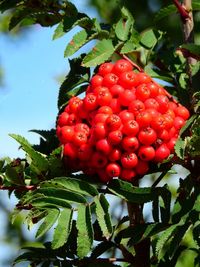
[19,188]
[182,10]
[129,60]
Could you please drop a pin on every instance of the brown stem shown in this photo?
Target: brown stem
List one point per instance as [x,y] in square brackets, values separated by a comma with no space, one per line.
[19,188]
[142,249]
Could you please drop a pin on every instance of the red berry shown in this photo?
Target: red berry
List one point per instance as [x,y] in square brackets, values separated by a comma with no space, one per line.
[66,134]
[98,160]
[113,170]
[142,92]
[90,102]
[127,174]
[115,137]
[147,136]
[122,65]
[129,160]
[136,106]
[162,153]
[146,153]
[110,79]
[103,146]
[142,167]
[130,143]
[96,80]
[131,127]
[63,119]
[105,68]
[113,122]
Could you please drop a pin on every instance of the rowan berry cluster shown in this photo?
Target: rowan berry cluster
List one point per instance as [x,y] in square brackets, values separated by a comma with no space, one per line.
[125,122]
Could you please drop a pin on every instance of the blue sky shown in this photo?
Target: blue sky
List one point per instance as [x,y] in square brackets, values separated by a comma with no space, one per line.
[29,97]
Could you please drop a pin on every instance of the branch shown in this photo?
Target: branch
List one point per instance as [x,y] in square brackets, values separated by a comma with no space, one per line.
[182,10]
[20,188]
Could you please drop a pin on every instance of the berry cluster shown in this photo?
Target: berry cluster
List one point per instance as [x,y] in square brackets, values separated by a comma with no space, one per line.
[124,122]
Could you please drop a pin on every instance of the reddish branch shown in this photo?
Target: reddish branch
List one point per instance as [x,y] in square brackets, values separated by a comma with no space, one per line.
[20,188]
[182,10]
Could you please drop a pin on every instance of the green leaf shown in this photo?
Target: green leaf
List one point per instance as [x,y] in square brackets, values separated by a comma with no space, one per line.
[131,193]
[48,222]
[124,25]
[85,231]
[101,248]
[155,74]
[103,216]
[195,5]
[62,229]
[192,48]
[99,54]
[196,233]
[132,44]
[54,202]
[7,4]
[163,238]
[74,185]
[188,123]
[62,194]
[164,12]
[178,235]
[139,232]
[76,43]
[148,39]
[59,31]
[180,148]
[193,147]
[77,76]
[39,162]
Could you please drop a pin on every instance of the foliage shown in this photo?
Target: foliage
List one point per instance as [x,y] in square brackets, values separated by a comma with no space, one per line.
[72,206]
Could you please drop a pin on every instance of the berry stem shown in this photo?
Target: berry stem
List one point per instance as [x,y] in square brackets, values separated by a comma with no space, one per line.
[129,60]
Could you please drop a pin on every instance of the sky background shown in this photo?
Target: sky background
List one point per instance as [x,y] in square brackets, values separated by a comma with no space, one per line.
[28,99]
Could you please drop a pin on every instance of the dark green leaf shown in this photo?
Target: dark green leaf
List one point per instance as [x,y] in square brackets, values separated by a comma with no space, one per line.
[62,194]
[99,54]
[124,25]
[77,76]
[39,162]
[40,202]
[74,185]
[48,222]
[7,4]
[101,248]
[131,193]
[85,231]
[62,229]
[103,216]
[139,232]
[163,238]
[165,12]
[188,123]
[178,235]
[196,234]
[192,48]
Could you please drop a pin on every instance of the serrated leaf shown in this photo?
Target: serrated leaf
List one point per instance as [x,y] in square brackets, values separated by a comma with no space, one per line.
[99,54]
[164,12]
[77,76]
[188,123]
[139,232]
[163,238]
[155,74]
[180,148]
[131,193]
[103,216]
[148,39]
[193,146]
[178,235]
[85,231]
[48,222]
[39,162]
[124,25]
[196,233]
[59,31]
[76,43]
[101,248]
[62,229]
[74,185]
[54,202]
[62,194]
